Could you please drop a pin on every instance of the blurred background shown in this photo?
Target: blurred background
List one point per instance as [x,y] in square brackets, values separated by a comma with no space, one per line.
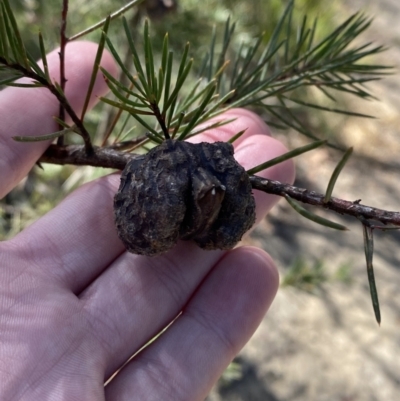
[320,340]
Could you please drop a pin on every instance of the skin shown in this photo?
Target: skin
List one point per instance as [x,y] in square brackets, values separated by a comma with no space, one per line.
[74,306]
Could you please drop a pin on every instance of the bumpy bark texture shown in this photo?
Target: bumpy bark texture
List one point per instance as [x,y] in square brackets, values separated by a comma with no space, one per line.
[184,191]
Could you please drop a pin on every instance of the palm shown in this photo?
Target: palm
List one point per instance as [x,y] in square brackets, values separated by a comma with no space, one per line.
[75,307]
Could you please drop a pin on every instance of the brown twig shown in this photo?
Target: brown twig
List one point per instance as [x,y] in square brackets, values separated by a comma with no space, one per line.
[160,119]
[341,206]
[111,158]
[63,44]
[77,155]
[61,53]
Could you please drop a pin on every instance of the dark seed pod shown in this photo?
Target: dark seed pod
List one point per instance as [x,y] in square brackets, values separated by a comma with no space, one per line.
[183,191]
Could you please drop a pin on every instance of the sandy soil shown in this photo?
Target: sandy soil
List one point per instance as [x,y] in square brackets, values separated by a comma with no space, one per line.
[327,345]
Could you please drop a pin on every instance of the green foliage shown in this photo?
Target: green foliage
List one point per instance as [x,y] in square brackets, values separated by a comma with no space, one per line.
[343,274]
[237,70]
[234,372]
[33,197]
[306,276]
[311,276]
[266,76]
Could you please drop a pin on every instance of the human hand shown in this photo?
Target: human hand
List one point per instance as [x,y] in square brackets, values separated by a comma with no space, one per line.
[74,306]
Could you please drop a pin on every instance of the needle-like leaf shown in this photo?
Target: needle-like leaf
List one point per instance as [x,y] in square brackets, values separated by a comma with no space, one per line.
[43,56]
[39,138]
[96,66]
[336,174]
[198,113]
[312,216]
[369,253]
[237,136]
[14,37]
[286,156]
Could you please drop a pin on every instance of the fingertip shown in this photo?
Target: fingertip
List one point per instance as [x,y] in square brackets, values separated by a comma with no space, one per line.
[261,271]
[271,270]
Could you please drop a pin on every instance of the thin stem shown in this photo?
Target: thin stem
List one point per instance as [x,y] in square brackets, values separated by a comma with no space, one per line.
[161,120]
[337,205]
[114,15]
[63,80]
[77,155]
[112,158]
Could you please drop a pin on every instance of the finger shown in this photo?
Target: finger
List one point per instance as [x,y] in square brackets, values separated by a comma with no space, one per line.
[190,356]
[30,112]
[75,250]
[138,296]
[77,240]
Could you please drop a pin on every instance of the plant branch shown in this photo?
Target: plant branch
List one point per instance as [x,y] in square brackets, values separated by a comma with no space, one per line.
[77,155]
[63,80]
[111,158]
[341,206]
